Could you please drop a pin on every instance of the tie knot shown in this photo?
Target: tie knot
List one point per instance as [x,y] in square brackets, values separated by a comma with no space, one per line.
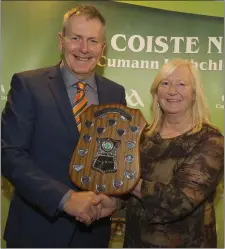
[81,85]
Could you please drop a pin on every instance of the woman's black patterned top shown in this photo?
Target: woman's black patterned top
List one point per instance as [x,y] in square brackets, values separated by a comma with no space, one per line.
[180,179]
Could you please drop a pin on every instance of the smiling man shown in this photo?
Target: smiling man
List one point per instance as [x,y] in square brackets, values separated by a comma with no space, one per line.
[82,42]
[40,129]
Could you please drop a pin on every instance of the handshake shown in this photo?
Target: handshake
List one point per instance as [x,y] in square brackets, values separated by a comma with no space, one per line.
[88,206]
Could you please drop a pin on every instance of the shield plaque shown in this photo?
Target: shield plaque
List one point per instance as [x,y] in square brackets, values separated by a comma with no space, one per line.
[106,158]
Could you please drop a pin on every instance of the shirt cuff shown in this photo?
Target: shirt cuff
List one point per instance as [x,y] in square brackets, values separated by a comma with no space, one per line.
[64,199]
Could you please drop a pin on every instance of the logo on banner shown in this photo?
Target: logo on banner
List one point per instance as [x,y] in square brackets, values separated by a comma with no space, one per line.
[220,105]
[4,93]
[133,98]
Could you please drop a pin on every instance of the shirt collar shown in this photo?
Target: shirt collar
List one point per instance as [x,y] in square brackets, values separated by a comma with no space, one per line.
[70,79]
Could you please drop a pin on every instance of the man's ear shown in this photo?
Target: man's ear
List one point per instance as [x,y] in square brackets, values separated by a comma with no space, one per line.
[104,47]
[60,41]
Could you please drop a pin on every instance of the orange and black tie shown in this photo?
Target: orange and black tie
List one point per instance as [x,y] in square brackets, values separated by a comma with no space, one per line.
[80,103]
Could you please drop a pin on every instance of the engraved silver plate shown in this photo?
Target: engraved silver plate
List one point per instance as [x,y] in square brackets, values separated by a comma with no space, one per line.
[82,152]
[129,174]
[87,138]
[100,130]
[89,123]
[129,158]
[130,144]
[78,167]
[100,187]
[85,179]
[121,132]
[117,184]
[112,122]
[125,119]
[134,129]
[102,115]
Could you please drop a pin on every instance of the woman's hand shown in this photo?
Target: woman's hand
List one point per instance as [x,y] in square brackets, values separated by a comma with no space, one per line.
[104,205]
[137,189]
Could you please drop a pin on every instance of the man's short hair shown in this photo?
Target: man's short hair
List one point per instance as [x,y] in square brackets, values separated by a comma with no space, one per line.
[87,10]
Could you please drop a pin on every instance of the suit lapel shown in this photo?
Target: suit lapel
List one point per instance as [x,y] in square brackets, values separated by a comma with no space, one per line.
[58,89]
[102,90]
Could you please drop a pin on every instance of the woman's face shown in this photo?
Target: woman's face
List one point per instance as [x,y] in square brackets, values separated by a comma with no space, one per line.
[175,92]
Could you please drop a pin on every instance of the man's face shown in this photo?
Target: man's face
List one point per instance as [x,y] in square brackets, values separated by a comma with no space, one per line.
[83,45]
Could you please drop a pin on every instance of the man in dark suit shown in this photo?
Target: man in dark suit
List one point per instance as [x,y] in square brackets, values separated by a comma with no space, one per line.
[39,134]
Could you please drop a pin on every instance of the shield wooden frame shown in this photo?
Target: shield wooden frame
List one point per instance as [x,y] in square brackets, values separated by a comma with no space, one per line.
[106,158]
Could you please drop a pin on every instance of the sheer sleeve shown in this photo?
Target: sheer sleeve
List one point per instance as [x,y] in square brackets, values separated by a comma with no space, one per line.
[121,201]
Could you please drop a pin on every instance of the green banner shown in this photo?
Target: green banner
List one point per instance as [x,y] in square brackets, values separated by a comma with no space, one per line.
[207,8]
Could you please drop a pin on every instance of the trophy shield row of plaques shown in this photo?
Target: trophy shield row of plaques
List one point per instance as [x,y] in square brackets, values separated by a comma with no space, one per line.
[106,158]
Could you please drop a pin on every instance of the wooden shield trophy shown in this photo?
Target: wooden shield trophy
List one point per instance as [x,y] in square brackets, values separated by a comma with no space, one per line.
[106,158]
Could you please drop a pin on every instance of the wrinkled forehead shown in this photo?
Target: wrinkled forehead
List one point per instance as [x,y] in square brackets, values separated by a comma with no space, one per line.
[85,24]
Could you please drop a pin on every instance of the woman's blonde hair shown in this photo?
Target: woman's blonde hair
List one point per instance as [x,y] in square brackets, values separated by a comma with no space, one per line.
[200,110]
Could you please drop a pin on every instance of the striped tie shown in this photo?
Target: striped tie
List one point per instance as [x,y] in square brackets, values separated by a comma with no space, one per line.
[80,103]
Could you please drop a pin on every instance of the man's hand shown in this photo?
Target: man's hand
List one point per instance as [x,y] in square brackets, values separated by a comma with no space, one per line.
[80,204]
[105,205]
[108,205]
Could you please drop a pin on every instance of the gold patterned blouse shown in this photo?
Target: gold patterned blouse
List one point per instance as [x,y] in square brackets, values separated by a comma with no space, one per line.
[180,179]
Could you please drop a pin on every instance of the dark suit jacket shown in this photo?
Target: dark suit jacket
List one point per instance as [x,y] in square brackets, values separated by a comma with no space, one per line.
[39,135]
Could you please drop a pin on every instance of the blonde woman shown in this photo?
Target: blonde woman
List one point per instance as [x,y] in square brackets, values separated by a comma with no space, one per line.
[182,156]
